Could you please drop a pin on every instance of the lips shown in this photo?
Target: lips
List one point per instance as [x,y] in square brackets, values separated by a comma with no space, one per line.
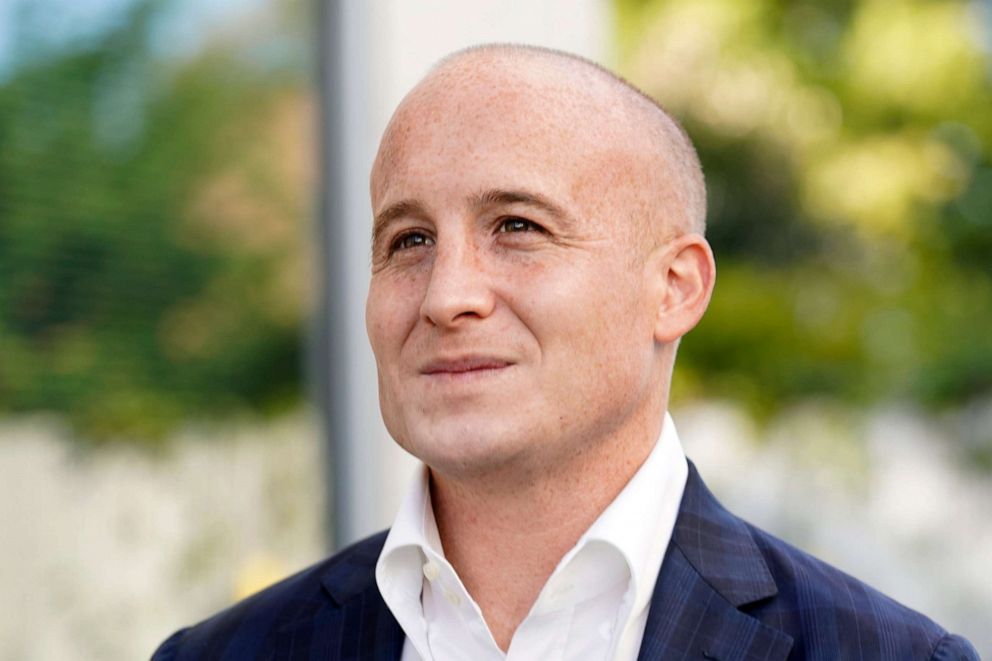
[464,365]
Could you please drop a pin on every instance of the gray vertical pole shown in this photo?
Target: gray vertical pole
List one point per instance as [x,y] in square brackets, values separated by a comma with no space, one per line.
[341,366]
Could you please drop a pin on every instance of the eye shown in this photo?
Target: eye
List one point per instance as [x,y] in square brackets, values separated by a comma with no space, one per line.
[410,240]
[514,224]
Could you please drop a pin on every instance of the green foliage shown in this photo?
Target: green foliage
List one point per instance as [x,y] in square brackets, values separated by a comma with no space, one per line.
[152,209]
[848,152]
[122,304]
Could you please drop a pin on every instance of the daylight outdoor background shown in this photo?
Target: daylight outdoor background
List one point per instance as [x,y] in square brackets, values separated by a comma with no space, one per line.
[160,449]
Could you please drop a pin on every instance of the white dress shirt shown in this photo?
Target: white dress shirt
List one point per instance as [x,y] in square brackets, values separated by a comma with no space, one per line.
[595,603]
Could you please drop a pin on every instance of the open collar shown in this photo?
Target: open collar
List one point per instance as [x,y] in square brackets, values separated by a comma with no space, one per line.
[711,570]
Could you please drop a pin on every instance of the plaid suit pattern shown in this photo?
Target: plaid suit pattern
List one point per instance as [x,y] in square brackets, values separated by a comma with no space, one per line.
[726,590]
[332,610]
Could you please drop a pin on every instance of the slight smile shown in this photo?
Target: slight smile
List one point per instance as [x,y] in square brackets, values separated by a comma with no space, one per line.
[464,367]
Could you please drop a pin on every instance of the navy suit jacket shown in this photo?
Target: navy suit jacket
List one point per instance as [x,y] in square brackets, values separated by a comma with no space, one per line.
[726,590]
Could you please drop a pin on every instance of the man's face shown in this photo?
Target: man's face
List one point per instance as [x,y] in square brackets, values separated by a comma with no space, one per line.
[507,310]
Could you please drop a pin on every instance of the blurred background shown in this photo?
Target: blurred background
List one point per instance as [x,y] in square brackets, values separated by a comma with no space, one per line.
[183,256]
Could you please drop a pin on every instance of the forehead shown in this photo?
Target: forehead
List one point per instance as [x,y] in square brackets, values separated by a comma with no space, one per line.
[487,128]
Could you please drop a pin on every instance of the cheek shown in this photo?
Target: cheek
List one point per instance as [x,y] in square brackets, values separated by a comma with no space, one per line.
[598,322]
[386,324]
[389,312]
[375,319]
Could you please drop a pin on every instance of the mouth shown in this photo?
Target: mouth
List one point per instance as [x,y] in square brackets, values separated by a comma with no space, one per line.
[465,366]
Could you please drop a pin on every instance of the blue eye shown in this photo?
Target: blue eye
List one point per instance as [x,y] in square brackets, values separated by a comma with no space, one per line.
[514,224]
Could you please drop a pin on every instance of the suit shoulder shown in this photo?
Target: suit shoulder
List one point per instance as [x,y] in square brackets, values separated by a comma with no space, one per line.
[824,608]
[246,629]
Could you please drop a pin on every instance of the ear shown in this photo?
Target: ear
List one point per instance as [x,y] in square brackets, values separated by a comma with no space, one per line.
[685,274]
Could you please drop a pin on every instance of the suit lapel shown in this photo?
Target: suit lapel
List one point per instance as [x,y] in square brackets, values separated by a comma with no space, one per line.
[712,569]
[348,621]
[360,629]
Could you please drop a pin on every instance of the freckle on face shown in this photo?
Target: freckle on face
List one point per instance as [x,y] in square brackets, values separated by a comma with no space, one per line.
[567,317]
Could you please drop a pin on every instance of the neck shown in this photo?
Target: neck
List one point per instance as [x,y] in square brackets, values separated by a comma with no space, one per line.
[505,534]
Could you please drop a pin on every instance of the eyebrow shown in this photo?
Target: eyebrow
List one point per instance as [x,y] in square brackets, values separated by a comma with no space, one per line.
[496,197]
[391,213]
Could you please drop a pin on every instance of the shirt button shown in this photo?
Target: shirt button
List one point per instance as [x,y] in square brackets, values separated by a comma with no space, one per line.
[453,598]
[431,571]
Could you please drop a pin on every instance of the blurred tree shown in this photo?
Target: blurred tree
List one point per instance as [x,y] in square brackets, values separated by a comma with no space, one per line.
[153,207]
[848,152]
[152,211]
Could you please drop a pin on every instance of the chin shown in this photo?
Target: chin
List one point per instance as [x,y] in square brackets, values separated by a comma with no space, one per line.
[459,448]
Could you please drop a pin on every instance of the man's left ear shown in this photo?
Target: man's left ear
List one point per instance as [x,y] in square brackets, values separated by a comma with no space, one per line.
[685,273]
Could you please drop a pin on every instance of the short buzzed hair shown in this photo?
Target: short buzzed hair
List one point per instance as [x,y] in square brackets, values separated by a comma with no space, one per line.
[680,154]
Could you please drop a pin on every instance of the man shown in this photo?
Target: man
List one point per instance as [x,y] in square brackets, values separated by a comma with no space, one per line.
[537,254]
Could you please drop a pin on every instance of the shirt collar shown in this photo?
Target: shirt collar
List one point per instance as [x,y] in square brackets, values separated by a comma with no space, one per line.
[639,521]
[397,571]
[637,525]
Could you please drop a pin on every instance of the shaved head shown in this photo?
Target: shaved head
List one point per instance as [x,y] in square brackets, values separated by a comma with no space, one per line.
[538,230]
[608,108]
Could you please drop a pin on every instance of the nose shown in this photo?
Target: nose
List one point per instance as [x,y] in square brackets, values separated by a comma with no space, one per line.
[459,289]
